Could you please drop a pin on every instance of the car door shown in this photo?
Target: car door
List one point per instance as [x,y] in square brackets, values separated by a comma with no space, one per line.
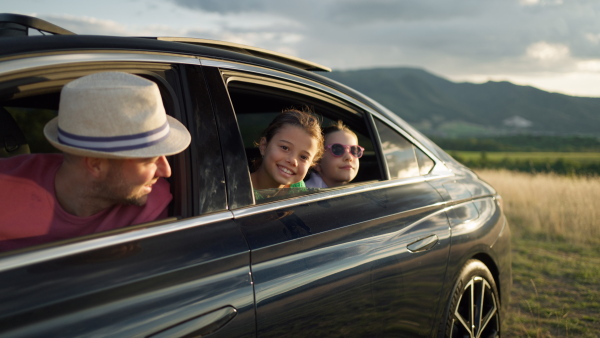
[169,279]
[342,261]
[368,262]
[422,248]
[185,275]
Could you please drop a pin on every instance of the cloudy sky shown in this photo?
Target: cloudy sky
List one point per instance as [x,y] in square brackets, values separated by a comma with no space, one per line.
[549,44]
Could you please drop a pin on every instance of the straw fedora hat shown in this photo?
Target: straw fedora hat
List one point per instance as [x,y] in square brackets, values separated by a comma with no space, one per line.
[115,115]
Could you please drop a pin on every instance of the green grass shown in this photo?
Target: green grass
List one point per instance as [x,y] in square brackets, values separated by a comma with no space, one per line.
[556,290]
[583,157]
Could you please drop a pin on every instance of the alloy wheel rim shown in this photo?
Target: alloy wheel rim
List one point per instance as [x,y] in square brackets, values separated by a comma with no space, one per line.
[476,314]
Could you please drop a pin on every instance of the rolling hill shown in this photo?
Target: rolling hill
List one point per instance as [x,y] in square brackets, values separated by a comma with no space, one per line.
[442,108]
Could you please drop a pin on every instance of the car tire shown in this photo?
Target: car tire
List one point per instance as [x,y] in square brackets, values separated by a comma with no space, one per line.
[474,306]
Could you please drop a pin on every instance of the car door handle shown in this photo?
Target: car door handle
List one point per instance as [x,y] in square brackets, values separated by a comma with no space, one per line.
[423,244]
[199,326]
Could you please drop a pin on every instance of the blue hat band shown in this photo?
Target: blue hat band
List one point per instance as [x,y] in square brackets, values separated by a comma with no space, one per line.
[115,143]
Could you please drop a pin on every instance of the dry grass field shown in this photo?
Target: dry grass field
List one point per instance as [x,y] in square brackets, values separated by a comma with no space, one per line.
[548,205]
[556,253]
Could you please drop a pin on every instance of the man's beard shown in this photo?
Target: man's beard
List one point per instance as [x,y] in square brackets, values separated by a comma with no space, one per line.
[138,201]
[118,191]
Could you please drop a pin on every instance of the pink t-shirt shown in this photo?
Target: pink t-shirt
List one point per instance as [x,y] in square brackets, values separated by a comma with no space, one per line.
[30,213]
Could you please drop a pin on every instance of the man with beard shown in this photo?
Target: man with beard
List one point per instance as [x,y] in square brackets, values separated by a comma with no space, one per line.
[115,134]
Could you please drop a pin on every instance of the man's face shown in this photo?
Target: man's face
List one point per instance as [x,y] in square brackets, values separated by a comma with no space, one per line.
[129,181]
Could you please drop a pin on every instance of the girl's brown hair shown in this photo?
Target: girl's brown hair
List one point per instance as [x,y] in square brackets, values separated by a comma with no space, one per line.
[304,119]
[338,126]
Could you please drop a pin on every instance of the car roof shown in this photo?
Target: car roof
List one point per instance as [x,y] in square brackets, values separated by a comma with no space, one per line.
[19,26]
[16,43]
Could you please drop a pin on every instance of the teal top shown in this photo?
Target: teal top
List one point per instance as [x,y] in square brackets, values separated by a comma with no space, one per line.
[298,185]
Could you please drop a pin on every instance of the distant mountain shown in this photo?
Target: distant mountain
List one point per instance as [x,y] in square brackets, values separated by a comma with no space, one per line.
[443,108]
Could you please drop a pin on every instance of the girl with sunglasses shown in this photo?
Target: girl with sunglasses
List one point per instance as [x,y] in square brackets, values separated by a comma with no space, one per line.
[289,146]
[339,164]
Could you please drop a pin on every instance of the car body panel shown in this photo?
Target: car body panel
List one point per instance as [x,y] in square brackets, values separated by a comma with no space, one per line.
[137,287]
[310,261]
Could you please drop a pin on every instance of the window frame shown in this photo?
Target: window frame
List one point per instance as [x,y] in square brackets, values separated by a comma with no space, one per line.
[49,77]
[333,104]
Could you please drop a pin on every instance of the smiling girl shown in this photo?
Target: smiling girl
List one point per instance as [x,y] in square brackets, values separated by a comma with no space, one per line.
[289,146]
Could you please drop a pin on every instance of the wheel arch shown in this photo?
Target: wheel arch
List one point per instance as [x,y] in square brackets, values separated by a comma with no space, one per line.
[491,265]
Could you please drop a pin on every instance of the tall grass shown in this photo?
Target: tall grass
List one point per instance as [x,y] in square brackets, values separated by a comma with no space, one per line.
[555,256]
[549,206]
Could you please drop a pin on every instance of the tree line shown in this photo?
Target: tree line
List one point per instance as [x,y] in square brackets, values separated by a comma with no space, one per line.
[559,166]
[521,143]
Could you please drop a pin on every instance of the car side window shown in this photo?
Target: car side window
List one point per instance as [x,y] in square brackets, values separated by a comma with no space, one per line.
[256,106]
[28,111]
[425,162]
[403,158]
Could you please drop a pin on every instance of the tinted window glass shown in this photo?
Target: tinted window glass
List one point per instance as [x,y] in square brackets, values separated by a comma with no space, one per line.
[425,163]
[31,122]
[402,157]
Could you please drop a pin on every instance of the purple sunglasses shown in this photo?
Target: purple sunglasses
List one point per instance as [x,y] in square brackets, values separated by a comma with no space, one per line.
[338,150]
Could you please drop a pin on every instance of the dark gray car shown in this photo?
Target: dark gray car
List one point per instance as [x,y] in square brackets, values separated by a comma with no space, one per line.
[417,245]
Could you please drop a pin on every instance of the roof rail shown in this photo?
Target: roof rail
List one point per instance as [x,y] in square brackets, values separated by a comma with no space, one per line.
[254,51]
[19,25]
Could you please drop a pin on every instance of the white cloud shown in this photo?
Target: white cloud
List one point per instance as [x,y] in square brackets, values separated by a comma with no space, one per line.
[544,51]
[529,2]
[593,38]
[540,2]
[87,25]
[589,65]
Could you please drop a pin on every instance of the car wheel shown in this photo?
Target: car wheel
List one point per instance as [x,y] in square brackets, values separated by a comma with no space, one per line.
[474,308]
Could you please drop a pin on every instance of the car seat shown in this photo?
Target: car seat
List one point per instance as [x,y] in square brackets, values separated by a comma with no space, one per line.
[12,139]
